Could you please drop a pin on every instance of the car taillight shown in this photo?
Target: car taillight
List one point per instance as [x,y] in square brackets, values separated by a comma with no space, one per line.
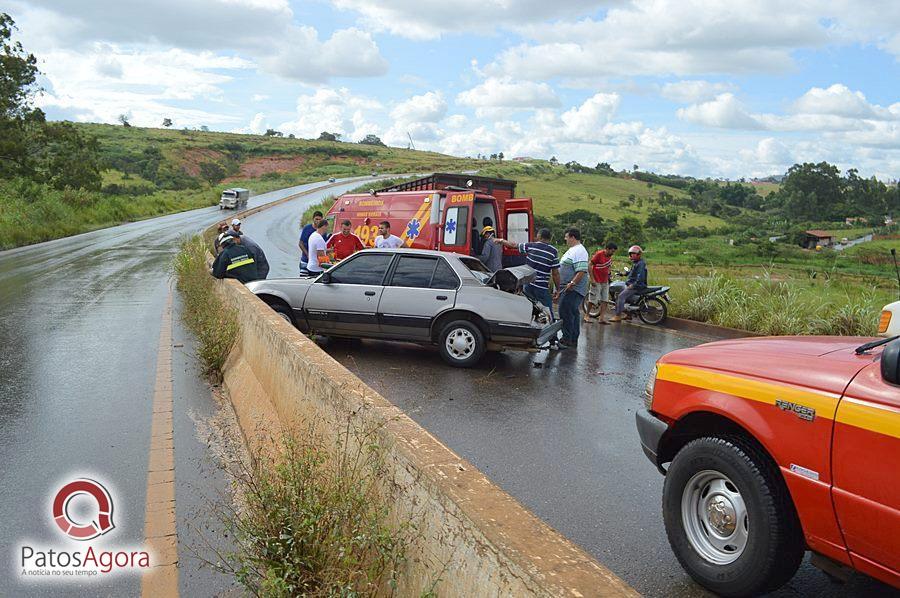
[648,390]
[884,322]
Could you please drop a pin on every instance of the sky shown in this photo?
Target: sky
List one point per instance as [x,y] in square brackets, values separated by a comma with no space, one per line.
[707,88]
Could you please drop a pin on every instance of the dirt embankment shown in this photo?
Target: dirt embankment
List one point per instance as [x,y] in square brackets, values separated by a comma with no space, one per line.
[256,167]
[192,159]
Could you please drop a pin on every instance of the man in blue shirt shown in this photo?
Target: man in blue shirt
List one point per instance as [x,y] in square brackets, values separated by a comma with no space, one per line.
[637,281]
[544,259]
[304,239]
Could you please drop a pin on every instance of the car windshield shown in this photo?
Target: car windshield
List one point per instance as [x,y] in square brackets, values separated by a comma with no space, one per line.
[477,269]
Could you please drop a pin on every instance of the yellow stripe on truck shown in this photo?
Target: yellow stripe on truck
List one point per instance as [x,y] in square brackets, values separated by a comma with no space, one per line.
[870,416]
[423,216]
[754,390]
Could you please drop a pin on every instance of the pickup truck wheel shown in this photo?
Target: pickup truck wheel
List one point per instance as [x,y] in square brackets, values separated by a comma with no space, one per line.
[729,518]
[461,343]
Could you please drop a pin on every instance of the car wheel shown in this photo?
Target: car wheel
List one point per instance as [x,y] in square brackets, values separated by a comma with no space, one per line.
[284,311]
[461,343]
[730,519]
[653,311]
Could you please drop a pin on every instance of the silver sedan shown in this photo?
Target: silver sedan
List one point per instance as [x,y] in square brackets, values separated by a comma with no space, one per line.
[429,297]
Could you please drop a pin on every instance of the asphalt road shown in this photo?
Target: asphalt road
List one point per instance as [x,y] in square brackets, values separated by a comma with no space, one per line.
[79,325]
[560,438]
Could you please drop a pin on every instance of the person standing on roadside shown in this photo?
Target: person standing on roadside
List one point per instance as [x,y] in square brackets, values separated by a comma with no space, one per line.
[573,273]
[491,253]
[259,256]
[305,233]
[636,282]
[601,262]
[217,244]
[235,261]
[318,249]
[543,258]
[385,240]
[345,243]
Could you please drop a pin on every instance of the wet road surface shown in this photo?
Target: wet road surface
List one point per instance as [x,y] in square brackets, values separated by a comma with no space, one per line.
[80,322]
[561,438]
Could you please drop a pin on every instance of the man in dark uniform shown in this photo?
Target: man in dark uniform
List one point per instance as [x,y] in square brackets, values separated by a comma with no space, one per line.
[235,261]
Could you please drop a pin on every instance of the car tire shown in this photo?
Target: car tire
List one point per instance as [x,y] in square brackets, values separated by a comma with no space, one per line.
[654,311]
[284,311]
[761,547]
[461,343]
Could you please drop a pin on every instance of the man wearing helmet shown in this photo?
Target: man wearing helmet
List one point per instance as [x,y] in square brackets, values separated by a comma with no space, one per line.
[637,281]
[491,253]
[235,261]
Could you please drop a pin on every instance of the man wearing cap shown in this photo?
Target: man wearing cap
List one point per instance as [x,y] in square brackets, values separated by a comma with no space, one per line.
[491,253]
[235,261]
[217,244]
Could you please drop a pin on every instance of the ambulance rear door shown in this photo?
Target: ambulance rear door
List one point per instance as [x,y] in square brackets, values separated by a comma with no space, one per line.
[456,222]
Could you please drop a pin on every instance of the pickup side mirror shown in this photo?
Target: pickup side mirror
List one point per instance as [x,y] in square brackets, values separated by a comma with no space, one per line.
[325,278]
[890,362]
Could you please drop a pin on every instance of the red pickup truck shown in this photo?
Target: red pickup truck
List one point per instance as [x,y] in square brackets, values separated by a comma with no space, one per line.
[776,446]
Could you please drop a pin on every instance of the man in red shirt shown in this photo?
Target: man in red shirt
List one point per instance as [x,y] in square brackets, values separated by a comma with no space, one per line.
[599,291]
[345,243]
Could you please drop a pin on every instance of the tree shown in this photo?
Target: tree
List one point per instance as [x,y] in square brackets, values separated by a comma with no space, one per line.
[628,231]
[371,139]
[326,136]
[663,219]
[18,72]
[167,122]
[493,156]
[812,192]
[212,172]
[634,167]
[123,118]
[66,158]
[204,128]
[500,156]
[553,160]
[273,133]
[291,136]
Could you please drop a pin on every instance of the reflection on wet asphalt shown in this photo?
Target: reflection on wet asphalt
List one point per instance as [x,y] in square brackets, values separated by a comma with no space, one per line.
[79,323]
[560,438]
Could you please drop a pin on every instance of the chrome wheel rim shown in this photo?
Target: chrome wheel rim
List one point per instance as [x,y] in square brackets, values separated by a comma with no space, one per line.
[715,517]
[460,343]
[652,311]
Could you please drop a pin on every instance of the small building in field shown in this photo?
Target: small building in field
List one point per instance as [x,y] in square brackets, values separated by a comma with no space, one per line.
[817,238]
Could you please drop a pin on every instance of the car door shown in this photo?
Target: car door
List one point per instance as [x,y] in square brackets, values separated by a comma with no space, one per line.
[420,288]
[344,300]
[866,466]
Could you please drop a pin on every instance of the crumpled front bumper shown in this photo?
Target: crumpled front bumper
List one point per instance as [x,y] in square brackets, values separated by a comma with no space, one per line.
[548,332]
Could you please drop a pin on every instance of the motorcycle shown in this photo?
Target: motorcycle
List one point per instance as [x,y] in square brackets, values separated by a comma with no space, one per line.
[650,305]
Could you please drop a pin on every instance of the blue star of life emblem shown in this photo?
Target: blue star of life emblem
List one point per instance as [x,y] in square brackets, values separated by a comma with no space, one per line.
[412,229]
[451,226]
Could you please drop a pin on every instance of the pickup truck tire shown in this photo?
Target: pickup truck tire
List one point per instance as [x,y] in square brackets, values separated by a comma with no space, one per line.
[461,343]
[729,517]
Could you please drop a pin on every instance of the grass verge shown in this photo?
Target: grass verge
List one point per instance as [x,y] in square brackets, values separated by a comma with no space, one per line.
[213,323]
[316,522]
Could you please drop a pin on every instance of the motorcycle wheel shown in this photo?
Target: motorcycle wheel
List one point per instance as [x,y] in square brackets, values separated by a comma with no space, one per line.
[653,311]
[594,313]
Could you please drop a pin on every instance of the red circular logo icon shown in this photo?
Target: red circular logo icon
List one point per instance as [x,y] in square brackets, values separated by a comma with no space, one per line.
[80,530]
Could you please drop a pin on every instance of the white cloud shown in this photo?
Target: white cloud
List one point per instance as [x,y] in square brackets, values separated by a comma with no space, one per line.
[497,95]
[429,19]
[335,111]
[838,100]
[263,30]
[692,91]
[426,108]
[259,97]
[725,111]
[257,126]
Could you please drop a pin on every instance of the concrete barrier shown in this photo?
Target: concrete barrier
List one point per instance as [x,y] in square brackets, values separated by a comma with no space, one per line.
[472,538]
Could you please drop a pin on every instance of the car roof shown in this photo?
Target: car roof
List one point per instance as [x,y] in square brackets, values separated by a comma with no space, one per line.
[413,251]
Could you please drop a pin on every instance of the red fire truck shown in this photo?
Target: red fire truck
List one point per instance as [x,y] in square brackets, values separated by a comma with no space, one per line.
[442,211]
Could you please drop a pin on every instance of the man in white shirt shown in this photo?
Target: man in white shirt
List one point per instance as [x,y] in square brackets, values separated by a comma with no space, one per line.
[318,249]
[573,274]
[385,240]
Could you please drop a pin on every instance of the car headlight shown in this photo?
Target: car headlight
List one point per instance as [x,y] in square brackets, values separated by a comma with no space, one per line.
[648,390]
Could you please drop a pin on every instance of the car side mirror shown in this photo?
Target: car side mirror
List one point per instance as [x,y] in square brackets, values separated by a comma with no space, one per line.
[326,278]
[890,362]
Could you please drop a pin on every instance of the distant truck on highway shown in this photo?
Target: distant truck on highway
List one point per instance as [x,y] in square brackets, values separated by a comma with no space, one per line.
[234,198]
[445,212]
[776,446]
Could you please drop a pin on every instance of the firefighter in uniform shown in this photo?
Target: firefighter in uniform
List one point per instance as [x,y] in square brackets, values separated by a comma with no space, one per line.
[235,261]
